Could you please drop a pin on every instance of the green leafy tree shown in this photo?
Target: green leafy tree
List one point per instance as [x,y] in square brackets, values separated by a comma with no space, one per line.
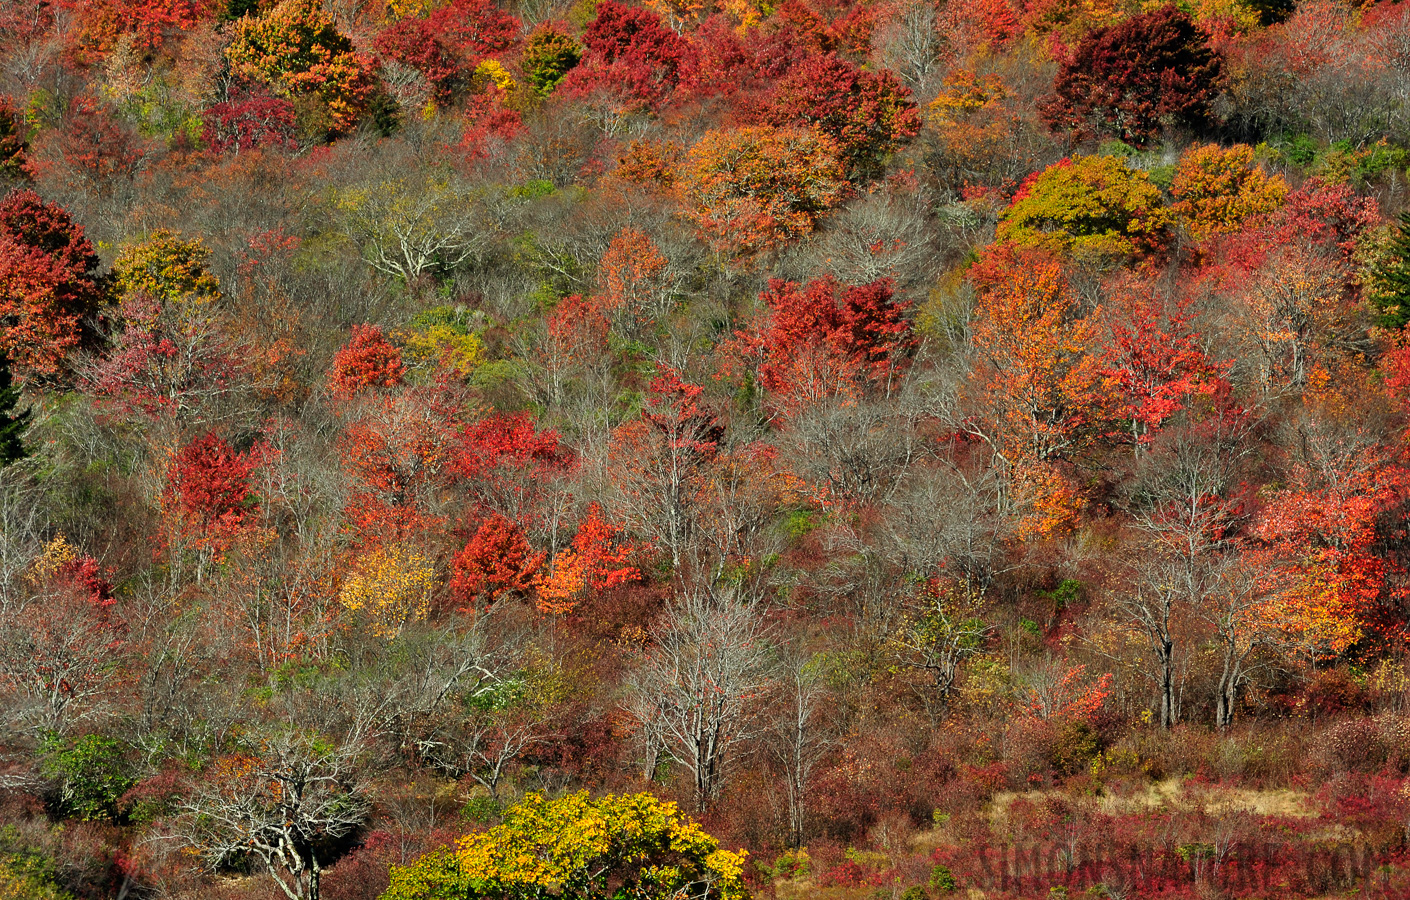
[550,53]
[613,848]
[92,776]
[1388,289]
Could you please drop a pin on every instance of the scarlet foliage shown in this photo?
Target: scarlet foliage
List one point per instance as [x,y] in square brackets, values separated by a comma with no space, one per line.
[593,563]
[1158,363]
[94,147]
[398,453]
[496,561]
[446,45]
[150,25]
[1322,550]
[632,56]
[368,361]
[825,340]
[49,288]
[1325,216]
[507,439]
[1135,78]
[509,464]
[208,489]
[256,120]
[868,114]
[674,410]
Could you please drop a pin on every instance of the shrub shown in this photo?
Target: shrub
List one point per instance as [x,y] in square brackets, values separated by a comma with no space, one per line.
[942,879]
[92,776]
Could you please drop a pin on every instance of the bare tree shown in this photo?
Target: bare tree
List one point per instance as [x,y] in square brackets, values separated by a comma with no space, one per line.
[798,740]
[414,222]
[707,663]
[283,805]
[466,705]
[1187,521]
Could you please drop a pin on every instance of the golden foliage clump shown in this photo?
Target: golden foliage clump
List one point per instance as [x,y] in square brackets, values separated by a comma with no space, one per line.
[392,587]
[56,554]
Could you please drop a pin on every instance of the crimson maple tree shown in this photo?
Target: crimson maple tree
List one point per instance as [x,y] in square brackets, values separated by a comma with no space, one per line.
[367,362]
[50,291]
[1133,80]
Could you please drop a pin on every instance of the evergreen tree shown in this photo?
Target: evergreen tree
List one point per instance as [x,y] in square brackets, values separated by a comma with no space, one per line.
[12,421]
[1389,290]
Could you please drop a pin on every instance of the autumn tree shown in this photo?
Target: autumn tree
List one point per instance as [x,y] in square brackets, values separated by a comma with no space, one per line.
[631,55]
[166,268]
[754,190]
[595,561]
[509,464]
[367,362]
[49,286]
[297,51]
[170,361]
[589,848]
[399,453]
[1322,542]
[1217,190]
[823,340]
[446,45]
[1038,391]
[1091,207]
[60,642]
[248,122]
[1158,361]
[869,114]
[1154,71]
[638,280]
[390,588]
[663,459]
[496,561]
[209,496]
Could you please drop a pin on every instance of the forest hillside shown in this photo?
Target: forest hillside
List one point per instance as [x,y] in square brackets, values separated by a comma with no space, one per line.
[708,449]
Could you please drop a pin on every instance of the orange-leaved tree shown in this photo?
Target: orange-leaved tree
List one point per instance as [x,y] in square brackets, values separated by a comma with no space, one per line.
[596,561]
[752,190]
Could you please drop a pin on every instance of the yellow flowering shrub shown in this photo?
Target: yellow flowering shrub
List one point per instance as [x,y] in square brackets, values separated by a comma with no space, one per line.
[628,845]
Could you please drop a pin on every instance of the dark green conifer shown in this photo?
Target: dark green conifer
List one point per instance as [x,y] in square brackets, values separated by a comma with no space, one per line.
[1389,288]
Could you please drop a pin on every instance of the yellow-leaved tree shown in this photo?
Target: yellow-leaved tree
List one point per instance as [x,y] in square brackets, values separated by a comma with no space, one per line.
[628,845]
[391,587]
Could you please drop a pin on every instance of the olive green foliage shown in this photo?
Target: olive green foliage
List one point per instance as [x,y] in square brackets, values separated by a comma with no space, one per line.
[1389,287]
[13,420]
[26,874]
[549,54]
[1088,207]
